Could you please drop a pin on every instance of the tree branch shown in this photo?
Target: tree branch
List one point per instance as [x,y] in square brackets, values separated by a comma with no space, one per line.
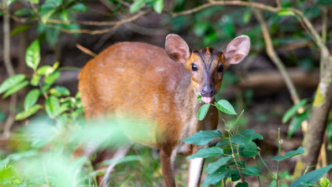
[9,67]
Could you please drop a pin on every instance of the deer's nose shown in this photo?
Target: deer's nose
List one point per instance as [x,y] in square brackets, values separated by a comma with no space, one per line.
[208,91]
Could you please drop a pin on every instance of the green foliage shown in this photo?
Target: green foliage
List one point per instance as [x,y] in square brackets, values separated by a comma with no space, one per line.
[32,57]
[203,111]
[226,107]
[207,152]
[158,5]
[203,137]
[15,89]
[293,110]
[11,82]
[31,98]
[288,155]
[311,177]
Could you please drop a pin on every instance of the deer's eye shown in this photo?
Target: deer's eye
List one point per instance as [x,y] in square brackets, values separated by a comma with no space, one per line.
[220,68]
[194,67]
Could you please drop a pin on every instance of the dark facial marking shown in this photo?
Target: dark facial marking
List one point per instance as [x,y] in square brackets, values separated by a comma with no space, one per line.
[213,53]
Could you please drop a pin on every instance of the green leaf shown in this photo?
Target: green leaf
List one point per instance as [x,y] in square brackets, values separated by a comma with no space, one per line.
[34,1]
[312,176]
[10,176]
[289,154]
[138,4]
[235,177]
[35,80]
[9,2]
[52,106]
[286,12]
[19,29]
[11,82]
[199,97]
[158,6]
[52,77]
[31,98]
[203,111]
[296,123]
[216,176]
[272,184]
[242,184]
[32,56]
[27,113]
[203,137]
[226,107]
[207,152]
[324,2]
[59,91]
[257,136]
[79,7]
[247,16]
[293,110]
[200,27]
[250,170]
[15,89]
[324,182]
[250,150]
[56,65]
[219,144]
[310,184]
[45,70]
[243,137]
[214,166]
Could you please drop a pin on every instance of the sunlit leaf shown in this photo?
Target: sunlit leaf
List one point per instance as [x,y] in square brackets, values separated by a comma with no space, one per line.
[27,113]
[79,7]
[293,110]
[203,111]
[59,91]
[11,82]
[158,6]
[138,4]
[52,77]
[52,106]
[31,98]
[226,107]
[19,29]
[15,89]
[286,12]
[296,123]
[32,56]
[45,70]
[35,80]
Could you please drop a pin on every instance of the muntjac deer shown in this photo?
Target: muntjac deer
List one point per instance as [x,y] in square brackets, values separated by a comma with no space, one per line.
[160,85]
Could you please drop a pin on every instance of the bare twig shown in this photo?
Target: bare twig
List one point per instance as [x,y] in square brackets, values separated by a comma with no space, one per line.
[85,50]
[9,67]
[101,31]
[274,57]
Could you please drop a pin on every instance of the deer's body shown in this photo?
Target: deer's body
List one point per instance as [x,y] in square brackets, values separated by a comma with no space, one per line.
[149,83]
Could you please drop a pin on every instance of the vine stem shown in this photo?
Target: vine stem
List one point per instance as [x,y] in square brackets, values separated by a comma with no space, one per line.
[279,152]
[233,155]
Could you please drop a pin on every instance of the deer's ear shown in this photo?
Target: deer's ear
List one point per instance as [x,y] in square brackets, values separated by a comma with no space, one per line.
[237,49]
[177,49]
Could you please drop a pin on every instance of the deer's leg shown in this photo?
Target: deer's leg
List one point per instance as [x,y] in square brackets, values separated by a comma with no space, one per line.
[166,166]
[120,153]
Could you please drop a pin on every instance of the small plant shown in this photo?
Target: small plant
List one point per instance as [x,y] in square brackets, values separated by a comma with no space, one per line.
[235,145]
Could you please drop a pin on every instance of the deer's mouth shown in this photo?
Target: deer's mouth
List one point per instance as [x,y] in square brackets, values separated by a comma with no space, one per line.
[207,99]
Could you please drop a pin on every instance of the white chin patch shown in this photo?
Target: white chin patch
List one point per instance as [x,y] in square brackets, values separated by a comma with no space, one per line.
[206,99]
